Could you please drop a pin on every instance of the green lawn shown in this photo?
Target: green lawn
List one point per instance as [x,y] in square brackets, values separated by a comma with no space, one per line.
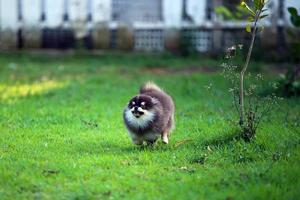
[62,134]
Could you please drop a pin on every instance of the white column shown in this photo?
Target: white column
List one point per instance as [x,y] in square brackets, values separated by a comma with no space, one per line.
[101,10]
[31,10]
[54,11]
[8,14]
[197,10]
[77,10]
[172,10]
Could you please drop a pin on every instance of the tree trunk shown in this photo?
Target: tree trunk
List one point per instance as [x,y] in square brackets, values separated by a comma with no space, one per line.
[242,107]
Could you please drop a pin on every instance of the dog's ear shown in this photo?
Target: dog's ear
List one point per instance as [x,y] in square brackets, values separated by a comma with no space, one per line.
[154,101]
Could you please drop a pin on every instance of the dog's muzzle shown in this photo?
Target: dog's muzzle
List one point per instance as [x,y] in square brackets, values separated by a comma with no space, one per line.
[136,112]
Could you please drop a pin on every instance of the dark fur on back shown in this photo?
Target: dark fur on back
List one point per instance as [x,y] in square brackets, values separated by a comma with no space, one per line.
[165,106]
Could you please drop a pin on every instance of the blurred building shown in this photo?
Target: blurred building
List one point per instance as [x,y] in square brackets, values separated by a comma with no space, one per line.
[141,25]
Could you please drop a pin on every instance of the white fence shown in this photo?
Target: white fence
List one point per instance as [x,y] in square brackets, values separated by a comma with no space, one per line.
[37,23]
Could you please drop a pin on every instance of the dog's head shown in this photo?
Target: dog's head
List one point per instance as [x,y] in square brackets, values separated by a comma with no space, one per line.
[140,111]
[141,106]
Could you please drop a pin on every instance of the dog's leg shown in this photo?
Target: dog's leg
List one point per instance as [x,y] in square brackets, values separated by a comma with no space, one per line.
[136,140]
[166,134]
[165,137]
[150,142]
[151,138]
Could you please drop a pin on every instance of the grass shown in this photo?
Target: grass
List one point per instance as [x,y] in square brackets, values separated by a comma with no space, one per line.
[62,135]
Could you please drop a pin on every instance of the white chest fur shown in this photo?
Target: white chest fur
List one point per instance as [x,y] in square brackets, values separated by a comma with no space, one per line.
[140,122]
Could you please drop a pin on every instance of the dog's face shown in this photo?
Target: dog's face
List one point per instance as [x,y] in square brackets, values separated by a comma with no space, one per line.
[140,106]
[140,111]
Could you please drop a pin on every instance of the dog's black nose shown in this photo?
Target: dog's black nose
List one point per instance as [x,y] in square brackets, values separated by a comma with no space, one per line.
[135,110]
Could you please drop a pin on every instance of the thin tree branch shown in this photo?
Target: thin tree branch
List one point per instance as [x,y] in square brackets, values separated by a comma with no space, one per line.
[242,108]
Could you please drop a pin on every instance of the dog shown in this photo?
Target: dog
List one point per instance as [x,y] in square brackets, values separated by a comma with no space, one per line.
[149,115]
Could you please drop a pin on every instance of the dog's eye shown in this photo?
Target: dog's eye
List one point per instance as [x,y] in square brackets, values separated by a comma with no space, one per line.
[143,106]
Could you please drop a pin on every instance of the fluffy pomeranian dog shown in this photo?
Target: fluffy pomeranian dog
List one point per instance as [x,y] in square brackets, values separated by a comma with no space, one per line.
[149,115]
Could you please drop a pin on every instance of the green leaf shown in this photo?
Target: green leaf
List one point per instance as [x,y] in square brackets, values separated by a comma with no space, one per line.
[261,28]
[263,16]
[225,12]
[239,15]
[247,8]
[241,11]
[295,18]
[250,19]
[248,28]
[263,3]
[293,11]
[257,4]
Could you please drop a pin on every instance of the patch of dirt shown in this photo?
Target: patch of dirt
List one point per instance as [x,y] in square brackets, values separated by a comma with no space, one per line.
[185,70]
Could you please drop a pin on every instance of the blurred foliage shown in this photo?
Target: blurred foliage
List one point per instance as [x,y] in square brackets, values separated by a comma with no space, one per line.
[295,18]
[244,10]
[186,45]
[250,106]
[232,10]
[289,84]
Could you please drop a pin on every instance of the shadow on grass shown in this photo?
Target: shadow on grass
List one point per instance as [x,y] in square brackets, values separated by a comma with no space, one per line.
[224,139]
[110,147]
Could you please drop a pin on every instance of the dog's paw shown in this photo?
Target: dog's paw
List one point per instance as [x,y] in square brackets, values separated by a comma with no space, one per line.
[165,140]
[137,142]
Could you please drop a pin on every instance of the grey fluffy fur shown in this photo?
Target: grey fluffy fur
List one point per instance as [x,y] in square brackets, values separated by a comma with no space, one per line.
[158,118]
